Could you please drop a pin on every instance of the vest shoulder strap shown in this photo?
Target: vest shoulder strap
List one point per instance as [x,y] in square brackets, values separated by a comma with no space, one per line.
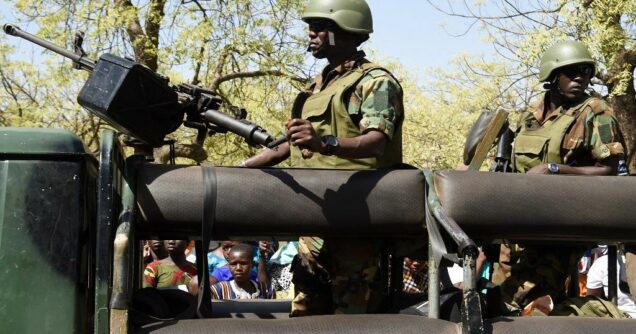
[375,71]
[598,106]
[593,104]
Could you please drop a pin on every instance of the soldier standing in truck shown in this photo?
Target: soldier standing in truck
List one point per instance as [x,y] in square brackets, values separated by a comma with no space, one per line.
[568,131]
[350,117]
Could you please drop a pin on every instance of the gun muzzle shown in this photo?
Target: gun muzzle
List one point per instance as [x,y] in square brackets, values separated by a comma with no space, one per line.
[253,134]
[10,29]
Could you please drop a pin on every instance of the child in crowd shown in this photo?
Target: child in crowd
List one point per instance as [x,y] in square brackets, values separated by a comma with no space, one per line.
[223,273]
[172,272]
[240,263]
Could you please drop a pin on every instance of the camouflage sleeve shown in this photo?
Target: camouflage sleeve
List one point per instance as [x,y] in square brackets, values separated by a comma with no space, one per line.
[379,102]
[603,135]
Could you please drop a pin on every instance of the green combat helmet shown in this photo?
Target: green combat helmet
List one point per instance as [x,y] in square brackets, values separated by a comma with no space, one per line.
[350,15]
[563,54]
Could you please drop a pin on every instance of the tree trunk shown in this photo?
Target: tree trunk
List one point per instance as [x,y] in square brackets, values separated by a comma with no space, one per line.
[625,109]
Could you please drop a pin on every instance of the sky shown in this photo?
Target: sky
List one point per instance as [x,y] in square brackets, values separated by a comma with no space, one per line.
[410,31]
[419,36]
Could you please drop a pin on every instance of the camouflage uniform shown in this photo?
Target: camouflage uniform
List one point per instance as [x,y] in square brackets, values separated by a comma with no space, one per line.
[340,275]
[592,136]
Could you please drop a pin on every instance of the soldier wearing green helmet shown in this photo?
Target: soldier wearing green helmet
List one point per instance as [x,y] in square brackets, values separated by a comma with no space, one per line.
[349,117]
[567,131]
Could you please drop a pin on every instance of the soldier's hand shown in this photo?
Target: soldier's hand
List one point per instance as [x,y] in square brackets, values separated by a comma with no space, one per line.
[300,132]
[539,169]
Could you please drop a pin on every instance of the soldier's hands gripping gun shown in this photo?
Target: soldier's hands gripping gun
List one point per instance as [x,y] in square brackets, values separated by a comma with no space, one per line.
[141,103]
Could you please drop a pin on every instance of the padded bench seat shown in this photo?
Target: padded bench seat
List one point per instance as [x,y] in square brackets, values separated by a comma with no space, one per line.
[359,324]
[252,308]
[281,202]
[539,207]
[399,324]
[560,325]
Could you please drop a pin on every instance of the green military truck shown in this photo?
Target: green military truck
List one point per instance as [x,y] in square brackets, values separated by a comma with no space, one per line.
[70,223]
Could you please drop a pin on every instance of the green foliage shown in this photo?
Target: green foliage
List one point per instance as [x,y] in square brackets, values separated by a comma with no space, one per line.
[244,50]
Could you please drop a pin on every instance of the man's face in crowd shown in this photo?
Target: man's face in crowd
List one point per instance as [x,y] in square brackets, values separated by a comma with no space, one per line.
[226,246]
[175,246]
[414,265]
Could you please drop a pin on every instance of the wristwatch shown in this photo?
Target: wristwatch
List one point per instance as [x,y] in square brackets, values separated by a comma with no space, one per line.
[553,168]
[331,142]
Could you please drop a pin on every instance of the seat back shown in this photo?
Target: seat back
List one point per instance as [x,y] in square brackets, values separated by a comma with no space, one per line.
[539,207]
[282,202]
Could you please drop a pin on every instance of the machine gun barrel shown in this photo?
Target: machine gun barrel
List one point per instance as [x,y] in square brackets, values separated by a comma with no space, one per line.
[84,63]
[253,133]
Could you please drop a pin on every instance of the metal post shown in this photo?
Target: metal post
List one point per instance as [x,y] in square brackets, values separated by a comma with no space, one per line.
[123,257]
[108,203]
[472,322]
[612,284]
[433,284]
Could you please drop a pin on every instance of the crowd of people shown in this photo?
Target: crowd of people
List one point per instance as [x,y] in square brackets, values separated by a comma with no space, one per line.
[237,270]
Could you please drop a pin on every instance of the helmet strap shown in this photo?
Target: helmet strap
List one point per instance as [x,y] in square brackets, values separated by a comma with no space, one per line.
[332,38]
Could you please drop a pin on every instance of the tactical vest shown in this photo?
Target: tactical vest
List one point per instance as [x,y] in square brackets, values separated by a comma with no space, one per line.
[533,147]
[327,112]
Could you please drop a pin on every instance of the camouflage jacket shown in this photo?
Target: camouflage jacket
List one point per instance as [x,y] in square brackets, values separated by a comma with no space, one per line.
[594,135]
[376,101]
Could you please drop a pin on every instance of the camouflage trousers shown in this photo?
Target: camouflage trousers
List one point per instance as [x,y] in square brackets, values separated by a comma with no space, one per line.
[336,276]
[541,270]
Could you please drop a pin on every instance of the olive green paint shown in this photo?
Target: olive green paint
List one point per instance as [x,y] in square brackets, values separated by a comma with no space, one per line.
[39,141]
[44,175]
[4,180]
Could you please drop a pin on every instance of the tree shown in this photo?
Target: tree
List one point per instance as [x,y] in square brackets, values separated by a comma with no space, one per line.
[441,109]
[243,50]
[521,30]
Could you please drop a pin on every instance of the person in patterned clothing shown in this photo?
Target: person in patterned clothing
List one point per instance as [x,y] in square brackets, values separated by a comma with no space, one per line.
[241,286]
[349,117]
[172,272]
[414,275]
[568,131]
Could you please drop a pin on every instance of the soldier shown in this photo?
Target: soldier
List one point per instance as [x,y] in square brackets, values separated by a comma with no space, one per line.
[566,132]
[350,117]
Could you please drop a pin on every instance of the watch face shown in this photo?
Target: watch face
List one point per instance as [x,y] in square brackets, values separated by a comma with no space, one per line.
[553,168]
[331,141]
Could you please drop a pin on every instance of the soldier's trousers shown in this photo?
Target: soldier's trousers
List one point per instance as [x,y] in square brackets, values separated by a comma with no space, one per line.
[336,276]
[540,271]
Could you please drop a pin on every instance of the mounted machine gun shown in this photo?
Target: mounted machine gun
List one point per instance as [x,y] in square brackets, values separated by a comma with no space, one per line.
[130,96]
